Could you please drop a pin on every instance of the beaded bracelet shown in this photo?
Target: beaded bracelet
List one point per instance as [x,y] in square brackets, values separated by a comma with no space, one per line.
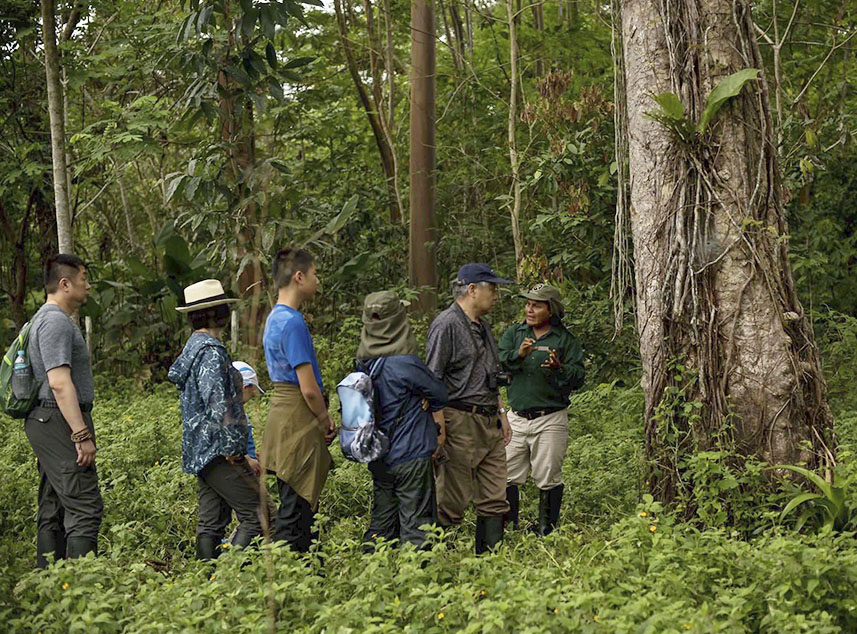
[81,436]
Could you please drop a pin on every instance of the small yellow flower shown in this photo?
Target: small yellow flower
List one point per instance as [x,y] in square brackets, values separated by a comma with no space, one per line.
[687,626]
[65,586]
[225,545]
[211,578]
[652,528]
[556,610]
[647,483]
[157,463]
[482,593]
[595,618]
[643,514]
[440,616]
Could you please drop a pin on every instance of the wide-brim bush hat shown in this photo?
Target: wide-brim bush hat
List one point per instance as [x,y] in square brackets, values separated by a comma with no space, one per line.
[204,294]
[549,294]
[386,329]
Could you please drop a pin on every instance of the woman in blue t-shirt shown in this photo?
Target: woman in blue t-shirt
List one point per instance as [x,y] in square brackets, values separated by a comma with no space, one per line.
[406,391]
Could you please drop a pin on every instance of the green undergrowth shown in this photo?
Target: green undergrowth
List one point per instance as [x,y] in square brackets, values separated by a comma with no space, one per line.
[618,563]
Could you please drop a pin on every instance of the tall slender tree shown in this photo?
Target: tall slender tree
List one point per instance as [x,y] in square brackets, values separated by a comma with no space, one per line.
[57,123]
[423,225]
[728,352]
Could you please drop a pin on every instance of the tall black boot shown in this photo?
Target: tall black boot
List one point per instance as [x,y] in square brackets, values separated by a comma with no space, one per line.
[489,532]
[81,546]
[513,497]
[242,538]
[49,542]
[206,547]
[550,502]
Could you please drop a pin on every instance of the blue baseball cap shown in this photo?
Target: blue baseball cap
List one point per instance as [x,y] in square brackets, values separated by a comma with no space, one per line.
[248,374]
[474,273]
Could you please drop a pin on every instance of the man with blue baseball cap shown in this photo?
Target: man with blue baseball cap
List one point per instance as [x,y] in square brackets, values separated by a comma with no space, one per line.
[471,464]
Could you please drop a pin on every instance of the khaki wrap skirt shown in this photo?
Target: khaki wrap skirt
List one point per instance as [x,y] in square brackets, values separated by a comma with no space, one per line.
[293,444]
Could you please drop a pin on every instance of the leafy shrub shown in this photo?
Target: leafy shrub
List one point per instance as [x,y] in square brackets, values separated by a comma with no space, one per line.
[619,562]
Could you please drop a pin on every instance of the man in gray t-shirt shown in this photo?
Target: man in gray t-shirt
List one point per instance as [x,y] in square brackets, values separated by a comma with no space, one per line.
[59,427]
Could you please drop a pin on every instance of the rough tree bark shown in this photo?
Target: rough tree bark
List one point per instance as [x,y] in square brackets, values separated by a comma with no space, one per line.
[718,317]
[422,263]
[57,123]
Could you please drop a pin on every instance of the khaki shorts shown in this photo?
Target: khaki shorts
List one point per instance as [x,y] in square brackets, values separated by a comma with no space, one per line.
[538,445]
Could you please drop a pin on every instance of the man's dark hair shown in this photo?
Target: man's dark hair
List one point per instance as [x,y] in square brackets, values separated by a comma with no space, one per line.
[59,266]
[288,262]
[211,317]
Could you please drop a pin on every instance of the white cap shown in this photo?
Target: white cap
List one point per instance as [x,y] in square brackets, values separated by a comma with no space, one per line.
[248,374]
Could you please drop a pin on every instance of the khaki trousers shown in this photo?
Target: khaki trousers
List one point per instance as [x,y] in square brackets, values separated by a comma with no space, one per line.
[539,445]
[475,470]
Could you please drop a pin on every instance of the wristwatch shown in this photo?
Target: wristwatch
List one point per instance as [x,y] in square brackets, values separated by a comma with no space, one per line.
[503,410]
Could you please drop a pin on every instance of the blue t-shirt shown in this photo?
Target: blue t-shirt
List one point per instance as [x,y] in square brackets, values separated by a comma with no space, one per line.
[288,344]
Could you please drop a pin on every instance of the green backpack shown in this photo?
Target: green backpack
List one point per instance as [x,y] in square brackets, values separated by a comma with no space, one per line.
[10,404]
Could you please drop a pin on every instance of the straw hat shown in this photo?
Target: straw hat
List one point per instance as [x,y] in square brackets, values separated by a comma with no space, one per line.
[204,294]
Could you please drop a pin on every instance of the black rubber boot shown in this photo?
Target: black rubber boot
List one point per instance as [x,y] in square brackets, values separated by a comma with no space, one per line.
[489,533]
[80,547]
[206,547]
[49,542]
[550,502]
[242,538]
[513,497]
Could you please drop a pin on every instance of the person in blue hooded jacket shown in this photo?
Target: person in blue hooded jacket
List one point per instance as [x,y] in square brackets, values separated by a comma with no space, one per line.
[405,391]
[214,425]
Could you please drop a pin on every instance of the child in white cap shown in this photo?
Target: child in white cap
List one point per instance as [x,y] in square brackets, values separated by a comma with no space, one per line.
[249,390]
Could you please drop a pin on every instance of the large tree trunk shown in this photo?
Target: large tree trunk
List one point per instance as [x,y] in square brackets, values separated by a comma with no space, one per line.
[719,320]
[57,119]
[423,227]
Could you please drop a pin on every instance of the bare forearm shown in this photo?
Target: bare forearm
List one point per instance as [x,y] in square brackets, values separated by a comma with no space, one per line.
[315,401]
[66,397]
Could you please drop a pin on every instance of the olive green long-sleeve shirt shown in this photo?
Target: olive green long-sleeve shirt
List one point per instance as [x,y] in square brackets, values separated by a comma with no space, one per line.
[534,387]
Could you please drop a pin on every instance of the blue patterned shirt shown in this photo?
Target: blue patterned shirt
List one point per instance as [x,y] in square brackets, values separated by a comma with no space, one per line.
[213,419]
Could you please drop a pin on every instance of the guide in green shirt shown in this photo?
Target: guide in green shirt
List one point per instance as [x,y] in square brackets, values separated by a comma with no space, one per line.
[546,363]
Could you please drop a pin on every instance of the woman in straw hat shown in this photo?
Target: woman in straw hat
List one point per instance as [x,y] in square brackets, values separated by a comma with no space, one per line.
[405,389]
[214,425]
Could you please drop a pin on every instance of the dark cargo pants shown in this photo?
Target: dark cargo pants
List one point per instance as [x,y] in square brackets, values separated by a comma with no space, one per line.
[223,488]
[69,497]
[404,500]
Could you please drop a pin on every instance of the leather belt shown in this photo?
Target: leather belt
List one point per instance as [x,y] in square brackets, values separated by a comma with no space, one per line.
[531,414]
[482,410]
[84,407]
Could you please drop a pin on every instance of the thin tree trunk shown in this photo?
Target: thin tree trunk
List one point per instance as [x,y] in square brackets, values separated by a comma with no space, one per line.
[57,123]
[373,110]
[514,163]
[422,262]
[719,320]
[539,23]
[129,223]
